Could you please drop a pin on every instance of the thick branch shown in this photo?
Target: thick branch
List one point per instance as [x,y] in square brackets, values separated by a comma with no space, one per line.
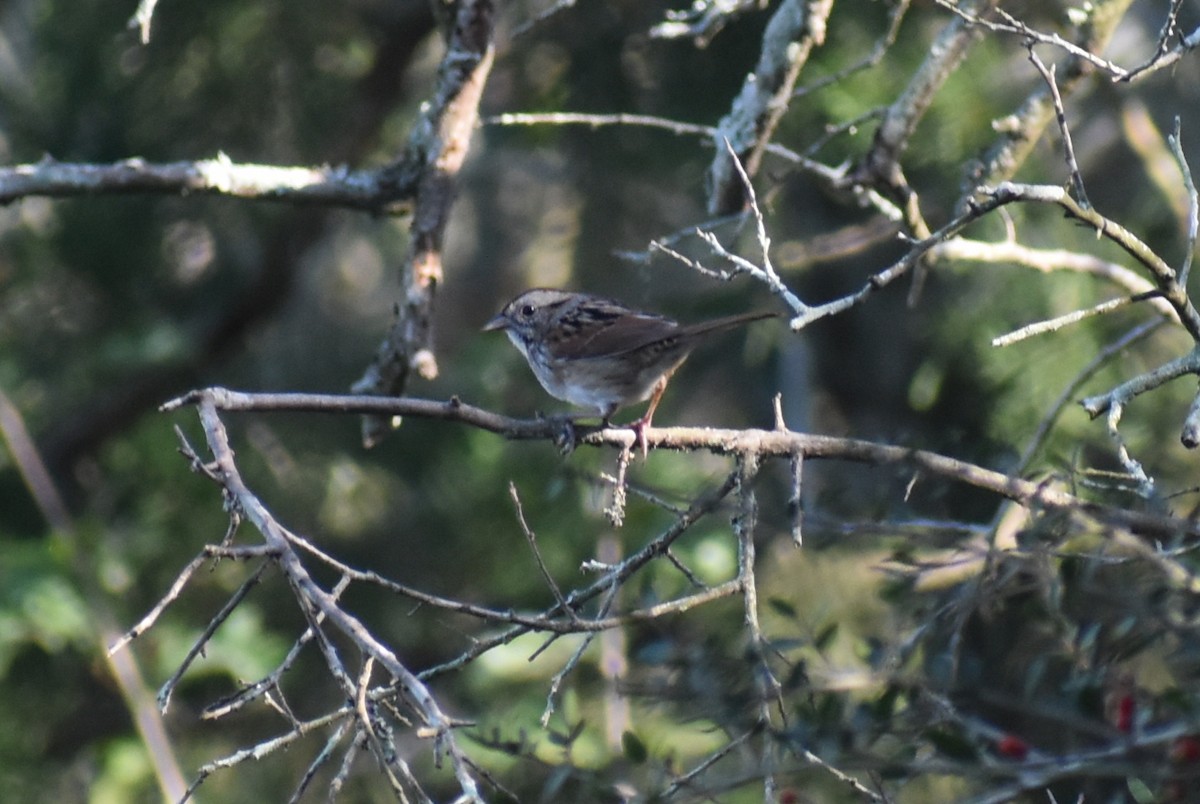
[881,165]
[436,150]
[796,27]
[374,190]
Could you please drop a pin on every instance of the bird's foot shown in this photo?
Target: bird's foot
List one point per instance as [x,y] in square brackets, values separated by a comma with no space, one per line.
[565,438]
[639,434]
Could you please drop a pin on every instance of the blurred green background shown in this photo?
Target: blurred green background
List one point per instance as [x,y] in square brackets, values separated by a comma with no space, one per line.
[109,305]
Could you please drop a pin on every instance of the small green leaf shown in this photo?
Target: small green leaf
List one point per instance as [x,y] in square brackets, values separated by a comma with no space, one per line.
[1176,698]
[829,709]
[1141,793]
[825,636]
[1091,701]
[797,676]
[952,745]
[885,704]
[565,740]
[634,748]
[782,607]
[895,590]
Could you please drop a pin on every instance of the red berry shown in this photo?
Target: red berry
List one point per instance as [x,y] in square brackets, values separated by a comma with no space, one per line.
[1185,749]
[1012,747]
[1125,709]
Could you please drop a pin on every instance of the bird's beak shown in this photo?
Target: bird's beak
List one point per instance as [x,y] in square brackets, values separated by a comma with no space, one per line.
[499,322]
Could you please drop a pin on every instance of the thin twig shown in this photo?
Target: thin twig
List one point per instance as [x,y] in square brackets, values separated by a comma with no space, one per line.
[796,464]
[686,779]
[700,508]
[842,776]
[1011,25]
[1057,323]
[831,175]
[537,554]
[313,599]
[1164,55]
[1064,129]
[540,17]
[319,761]
[1049,260]
[1163,275]
[882,45]
[265,748]
[1193,202]
[181,580]
[235,600]
[264,686]
[576,657]
[1068,393]
[615,510]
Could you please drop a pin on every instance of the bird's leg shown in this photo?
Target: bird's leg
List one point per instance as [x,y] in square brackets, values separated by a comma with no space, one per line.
[639,426]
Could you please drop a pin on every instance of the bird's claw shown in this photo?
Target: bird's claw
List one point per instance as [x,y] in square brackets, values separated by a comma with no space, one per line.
[565,438]
[639,436]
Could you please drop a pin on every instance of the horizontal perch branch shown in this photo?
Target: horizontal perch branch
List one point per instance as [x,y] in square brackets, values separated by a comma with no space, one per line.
[766,443]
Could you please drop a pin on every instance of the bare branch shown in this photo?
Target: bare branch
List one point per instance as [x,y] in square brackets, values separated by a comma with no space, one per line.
[314,599]
[537,19]
[1060,114]
[767,688]
[321,759]
[1122,394]
[537,555]
[882,46]
[686,779]
[1049,260]
[1164,55]
[202,641]
[1058,322]
[1020,131]
[796,27]
[880,166]
[1011,25]
[371,190]
[1164,276]
[265,748]
[1193,217]
[556,682]
[766,273]
[701,507]
[436,149]
[270,682]
[142,17]
[767,443]
[1072,388]
[703,19]
[832,176]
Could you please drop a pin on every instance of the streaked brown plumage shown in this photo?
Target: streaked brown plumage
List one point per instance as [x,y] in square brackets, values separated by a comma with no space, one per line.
[596,352]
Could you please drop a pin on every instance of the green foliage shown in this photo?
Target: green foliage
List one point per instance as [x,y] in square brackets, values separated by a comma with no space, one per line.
[39,606]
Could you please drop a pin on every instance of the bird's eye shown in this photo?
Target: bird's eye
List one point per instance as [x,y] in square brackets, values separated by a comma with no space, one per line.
[527,311]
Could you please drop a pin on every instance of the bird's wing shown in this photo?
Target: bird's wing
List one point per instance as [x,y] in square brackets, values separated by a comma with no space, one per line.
[623,333]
